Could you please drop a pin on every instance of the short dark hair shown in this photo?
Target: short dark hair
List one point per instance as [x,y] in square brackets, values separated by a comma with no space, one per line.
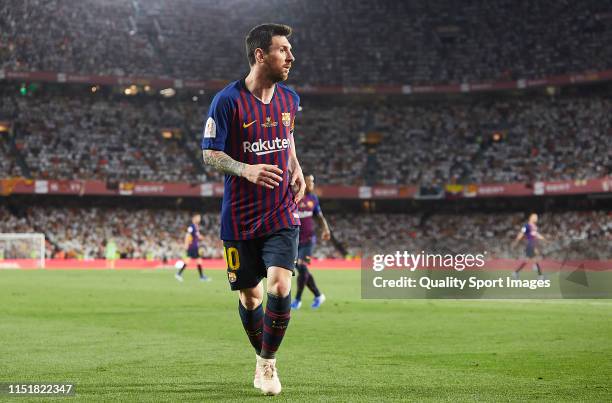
[261,37]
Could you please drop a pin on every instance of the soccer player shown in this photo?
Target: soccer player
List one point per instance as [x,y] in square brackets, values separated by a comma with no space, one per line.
[110,253]
[308,208]
[249,136]
[530,232]
[192,246]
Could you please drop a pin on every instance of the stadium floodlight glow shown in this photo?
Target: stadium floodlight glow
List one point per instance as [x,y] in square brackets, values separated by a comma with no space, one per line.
[131,90]
[24,247]
[168,92]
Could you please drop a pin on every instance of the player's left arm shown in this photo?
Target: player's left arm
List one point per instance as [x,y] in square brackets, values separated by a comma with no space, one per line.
[298,184]
[325,232]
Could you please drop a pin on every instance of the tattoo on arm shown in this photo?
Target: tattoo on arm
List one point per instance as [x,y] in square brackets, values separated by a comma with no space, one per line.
[223,162]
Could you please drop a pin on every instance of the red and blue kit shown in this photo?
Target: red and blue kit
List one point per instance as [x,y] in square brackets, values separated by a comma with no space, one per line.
[252,132]
[193,232]
[308,208]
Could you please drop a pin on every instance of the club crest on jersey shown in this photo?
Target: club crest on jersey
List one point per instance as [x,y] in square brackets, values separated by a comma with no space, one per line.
[286,119]
[269,123]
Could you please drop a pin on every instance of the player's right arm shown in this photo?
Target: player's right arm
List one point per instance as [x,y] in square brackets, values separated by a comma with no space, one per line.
[519,236]
[260,174]
[216,131]
[187,241]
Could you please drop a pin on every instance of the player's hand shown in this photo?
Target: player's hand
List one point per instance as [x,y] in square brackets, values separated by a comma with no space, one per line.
[298,185]
[325,235]
[268,176]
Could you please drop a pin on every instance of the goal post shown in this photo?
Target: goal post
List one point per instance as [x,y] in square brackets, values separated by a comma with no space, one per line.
[22,249]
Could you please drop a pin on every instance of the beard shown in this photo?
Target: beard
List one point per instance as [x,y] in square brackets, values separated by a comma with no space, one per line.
[276,76]
[279,76]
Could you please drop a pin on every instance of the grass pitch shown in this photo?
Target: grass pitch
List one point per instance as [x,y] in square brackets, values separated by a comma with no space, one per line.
[142,336]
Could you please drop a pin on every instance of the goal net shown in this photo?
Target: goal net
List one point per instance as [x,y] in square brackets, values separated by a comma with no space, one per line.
[22,251]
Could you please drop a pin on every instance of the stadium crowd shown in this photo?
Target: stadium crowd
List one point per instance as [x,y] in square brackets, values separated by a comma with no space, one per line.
[415,42]
[578,235]
[158,234]
[92,138]
[139,234]
[538,139]
[101,137]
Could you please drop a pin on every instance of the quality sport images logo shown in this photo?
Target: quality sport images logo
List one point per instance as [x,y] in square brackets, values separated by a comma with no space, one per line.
[262,147]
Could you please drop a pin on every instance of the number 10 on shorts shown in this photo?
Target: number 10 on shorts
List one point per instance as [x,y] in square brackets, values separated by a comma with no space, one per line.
[231,257]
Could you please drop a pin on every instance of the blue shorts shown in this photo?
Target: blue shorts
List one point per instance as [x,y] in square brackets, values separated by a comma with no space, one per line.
[530,250]
[248,261]
[193,253]
[305,252]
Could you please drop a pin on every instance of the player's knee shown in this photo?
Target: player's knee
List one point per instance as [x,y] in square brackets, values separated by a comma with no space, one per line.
[251,298]
[280,288]
[250,302]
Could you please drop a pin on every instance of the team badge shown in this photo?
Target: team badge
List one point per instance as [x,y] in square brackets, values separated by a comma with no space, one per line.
[231,276]
[286,119]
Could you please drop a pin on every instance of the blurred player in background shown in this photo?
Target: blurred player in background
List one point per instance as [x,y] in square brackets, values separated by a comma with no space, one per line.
[309,208]
[110,253]
[192,246]
[249,136]
[529,231]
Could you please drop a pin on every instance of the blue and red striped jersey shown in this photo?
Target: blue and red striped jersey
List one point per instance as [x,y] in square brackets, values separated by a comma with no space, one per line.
[530,231]
[252,132]
[308,208]
[194,236]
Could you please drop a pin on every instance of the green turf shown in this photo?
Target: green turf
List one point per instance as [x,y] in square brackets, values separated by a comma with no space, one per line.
[141,336]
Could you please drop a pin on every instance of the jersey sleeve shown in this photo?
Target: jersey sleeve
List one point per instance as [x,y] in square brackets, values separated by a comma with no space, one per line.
[317,207]
[525,228]
[190,229]
[296,108]
[218,123]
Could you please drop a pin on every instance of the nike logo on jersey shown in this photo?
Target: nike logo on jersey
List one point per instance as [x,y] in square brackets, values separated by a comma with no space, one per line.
[245,125]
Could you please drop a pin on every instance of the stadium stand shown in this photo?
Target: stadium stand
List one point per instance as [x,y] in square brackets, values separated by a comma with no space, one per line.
[58,134]
[473,233]
[158,233]
[91,138]
[100,137]
[416,42]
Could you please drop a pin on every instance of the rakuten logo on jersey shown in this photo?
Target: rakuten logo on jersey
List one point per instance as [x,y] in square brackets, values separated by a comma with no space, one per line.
[262,147]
